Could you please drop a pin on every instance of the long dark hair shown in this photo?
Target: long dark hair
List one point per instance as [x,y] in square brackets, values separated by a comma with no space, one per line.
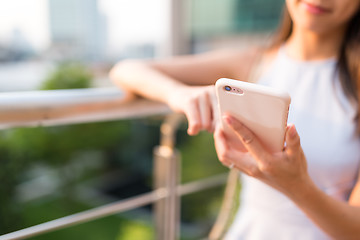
[348,63]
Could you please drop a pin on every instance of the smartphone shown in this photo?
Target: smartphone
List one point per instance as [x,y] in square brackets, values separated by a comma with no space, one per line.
[264,110]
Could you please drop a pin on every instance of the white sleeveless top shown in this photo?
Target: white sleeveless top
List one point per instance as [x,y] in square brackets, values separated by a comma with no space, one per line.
[323,116]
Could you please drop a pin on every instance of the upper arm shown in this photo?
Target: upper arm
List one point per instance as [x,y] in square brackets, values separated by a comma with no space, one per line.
[206,68]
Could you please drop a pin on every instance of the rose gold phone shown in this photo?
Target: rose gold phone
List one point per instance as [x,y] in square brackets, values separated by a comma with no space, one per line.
[262,109]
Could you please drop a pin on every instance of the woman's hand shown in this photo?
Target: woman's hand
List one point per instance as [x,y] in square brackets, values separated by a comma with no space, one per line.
[198,104]
[284,170]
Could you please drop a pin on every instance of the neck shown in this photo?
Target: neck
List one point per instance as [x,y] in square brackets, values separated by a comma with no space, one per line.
[307,45]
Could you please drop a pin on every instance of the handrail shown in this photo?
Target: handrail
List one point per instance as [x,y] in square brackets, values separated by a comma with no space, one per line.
[87,216]
[115,207]
[60,107]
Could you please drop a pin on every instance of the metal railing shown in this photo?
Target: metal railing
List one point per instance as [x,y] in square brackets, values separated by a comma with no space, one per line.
[59,107]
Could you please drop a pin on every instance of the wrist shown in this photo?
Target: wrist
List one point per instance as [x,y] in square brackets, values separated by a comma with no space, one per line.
[171,94]
[303,191]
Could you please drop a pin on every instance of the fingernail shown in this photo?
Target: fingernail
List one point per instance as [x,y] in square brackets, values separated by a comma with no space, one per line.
[228,119]
[292,131]
[189,131]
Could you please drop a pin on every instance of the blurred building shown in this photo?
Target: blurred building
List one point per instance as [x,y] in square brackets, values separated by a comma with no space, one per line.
[256,15]
[234,16]
[16,48]
[231,22]
[78,30]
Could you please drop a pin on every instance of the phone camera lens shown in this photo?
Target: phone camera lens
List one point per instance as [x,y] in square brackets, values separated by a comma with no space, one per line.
[227,88]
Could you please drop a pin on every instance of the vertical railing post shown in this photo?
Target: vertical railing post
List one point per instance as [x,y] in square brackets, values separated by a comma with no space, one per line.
[176,41]
[167,176]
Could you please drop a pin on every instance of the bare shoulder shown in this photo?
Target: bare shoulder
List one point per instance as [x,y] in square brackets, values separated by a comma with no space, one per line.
[239,63]
[270,53]
[252,60]
[242,62]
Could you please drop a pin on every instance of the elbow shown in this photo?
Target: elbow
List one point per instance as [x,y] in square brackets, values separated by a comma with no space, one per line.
[123,71]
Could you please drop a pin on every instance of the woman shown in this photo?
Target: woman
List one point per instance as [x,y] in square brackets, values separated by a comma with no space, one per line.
[310,190]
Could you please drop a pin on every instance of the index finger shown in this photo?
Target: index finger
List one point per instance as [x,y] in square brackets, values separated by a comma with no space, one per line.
[248,138]
[193,116]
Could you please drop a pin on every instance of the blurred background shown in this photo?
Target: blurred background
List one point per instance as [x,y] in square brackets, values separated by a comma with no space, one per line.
[47,173]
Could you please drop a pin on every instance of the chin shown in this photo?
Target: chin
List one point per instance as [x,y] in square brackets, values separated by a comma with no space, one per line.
[304,19]
[314,24]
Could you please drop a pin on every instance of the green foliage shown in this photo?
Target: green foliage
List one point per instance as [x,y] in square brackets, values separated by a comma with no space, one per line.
[125,145]
[21,148]
[136,230]
[199,158]
[68,75]
[9,170]
[102,229]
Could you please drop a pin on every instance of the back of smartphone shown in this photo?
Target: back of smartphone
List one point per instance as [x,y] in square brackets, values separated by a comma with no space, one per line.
[262,109]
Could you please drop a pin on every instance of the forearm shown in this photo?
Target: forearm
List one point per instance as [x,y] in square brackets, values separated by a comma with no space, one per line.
[157,79]
[143,79]
[338,219]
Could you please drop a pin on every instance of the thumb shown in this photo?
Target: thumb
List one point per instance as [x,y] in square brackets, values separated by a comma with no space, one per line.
[292,139]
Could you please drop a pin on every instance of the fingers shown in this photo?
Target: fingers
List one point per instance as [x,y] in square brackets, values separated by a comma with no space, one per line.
[280,170]
[199,112]
[249,140]
[221,147]
[215,109]
[230,157]
[292,139]
[205,112]
[194,120]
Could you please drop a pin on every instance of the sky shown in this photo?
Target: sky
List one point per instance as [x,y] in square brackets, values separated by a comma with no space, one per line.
[134,20]
[29,16]
[129,21]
